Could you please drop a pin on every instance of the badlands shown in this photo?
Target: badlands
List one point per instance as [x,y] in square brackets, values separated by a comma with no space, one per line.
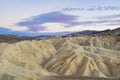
[78,56]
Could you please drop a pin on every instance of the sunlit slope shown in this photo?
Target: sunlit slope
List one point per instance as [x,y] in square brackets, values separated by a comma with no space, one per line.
[75,56]
[3,46]
[24,60]
[86,56]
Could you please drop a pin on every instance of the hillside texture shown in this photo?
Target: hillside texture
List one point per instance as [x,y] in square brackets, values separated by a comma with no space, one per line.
[97,56]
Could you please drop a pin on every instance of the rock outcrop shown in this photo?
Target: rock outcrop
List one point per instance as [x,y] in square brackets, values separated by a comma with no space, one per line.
[97,56]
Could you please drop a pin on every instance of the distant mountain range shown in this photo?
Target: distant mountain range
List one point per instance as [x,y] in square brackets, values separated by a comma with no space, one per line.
[114,32]
[15,38]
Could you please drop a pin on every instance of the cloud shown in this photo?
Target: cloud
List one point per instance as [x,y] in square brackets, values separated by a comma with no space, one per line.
[114,23]
[4,30]
[93,8]
[58,21]
[100,22]
[91,22]
[110,16]
[35,23]
[110,20]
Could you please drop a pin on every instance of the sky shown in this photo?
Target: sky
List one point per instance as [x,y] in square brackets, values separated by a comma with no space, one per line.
[45,17]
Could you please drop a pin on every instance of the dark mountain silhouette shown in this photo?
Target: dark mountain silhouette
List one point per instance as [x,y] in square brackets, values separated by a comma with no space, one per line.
[14,38]
[114,32]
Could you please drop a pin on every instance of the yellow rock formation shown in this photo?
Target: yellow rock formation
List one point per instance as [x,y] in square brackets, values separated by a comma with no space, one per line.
[75,56]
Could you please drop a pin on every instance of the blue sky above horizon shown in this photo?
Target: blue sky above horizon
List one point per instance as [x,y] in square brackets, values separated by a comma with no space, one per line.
[39,17]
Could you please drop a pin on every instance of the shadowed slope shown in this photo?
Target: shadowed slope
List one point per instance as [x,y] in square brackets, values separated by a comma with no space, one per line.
[75,56]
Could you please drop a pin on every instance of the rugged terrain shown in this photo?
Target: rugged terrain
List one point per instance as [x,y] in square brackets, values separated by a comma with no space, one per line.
[75,78]
[97,56]
[113,32]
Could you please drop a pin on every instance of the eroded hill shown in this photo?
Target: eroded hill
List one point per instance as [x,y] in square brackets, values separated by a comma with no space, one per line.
[97,56]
